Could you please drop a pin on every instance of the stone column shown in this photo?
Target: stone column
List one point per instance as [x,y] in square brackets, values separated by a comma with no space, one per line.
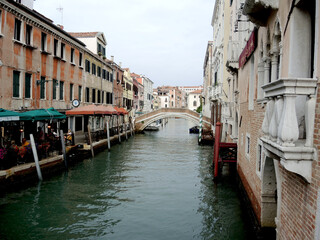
[288,130]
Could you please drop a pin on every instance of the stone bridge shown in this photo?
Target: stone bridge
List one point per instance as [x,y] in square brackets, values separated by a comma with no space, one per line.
[144,120]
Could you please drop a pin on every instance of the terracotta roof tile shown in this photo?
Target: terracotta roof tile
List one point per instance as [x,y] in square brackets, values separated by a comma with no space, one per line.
[83,34]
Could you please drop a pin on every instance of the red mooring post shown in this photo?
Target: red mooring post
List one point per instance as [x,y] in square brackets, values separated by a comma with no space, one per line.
[216,149]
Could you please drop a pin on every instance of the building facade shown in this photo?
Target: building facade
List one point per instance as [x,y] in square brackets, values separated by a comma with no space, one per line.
[274,110]
[43,63]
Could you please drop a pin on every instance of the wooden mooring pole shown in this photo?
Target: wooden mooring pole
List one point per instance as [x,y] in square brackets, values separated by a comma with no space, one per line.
[35,156]
[216,149]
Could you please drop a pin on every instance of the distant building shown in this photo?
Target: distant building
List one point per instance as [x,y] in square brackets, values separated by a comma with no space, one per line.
[194,100]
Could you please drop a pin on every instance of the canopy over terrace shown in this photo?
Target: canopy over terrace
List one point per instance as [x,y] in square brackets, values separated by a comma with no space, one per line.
[41,114]
[6,115]
[121,110]
[92,110]
[34,115]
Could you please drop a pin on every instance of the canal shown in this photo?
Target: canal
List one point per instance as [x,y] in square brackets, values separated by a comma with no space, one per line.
[156,185]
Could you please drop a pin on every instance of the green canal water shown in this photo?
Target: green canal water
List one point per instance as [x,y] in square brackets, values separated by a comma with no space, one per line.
[156,185]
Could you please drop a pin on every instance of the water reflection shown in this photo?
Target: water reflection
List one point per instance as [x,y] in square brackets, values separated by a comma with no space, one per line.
[154,186]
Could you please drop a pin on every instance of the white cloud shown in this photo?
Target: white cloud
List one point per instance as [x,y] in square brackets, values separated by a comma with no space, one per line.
[162,39]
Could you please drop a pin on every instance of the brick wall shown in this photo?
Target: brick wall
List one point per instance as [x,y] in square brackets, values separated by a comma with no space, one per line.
[299,199]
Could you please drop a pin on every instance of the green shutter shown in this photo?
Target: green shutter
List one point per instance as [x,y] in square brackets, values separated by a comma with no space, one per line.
[16,84]
[27,91]
[42,87]
[54,89]
[61,90]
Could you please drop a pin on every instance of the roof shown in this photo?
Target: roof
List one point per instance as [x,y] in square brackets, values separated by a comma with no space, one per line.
[121,110]
[196,92]
[92,110]
[45,20]
[83,34]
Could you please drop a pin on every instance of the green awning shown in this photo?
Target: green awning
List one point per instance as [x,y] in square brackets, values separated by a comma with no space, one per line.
[41,114]
[6,115]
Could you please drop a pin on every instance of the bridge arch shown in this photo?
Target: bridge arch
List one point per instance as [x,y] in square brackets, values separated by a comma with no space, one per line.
[143,121]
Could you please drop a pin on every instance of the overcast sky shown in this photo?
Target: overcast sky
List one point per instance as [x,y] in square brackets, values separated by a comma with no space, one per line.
[165,40]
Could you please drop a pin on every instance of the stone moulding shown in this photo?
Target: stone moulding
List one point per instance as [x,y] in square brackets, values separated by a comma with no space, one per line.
[297,159]
[290,86]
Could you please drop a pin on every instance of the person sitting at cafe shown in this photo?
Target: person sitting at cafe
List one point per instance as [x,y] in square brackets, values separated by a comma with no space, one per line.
[12,154]
[23,151]
[40,135]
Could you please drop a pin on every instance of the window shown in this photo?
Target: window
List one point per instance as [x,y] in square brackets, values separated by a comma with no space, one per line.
[42,87]
[194,103]
[16,84]
[71,92]
[43,42]
[111,77]
[93,69]
[27,87]
[103,74]
[93,95]
[99,51]
[61,90]
[87,94]
[55,47]
[99,96]
[99,71]
[80,59]
[108,75]
[87,66]
[17,30]
[259,158]
[28,35]
[102,97]
[247,149]
[62,53]
[54,89]
[80,93]
[72,56]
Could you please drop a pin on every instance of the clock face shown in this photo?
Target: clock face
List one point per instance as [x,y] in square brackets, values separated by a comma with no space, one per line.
[75,103]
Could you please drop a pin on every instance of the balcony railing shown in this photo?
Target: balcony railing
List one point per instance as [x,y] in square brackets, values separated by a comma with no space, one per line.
[214,92]
[288,123]
[257,10]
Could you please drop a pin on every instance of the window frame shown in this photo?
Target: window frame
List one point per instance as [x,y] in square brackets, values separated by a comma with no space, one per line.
[26,92]
[55,47]
[17,32]
[87,97]
[247,146]
[16,84]
[72,55]
[61,90]
[80,59]
[71,91]
[42,88]
[54,89]
[29,35]
[63,51]
[44,39]
[80,93]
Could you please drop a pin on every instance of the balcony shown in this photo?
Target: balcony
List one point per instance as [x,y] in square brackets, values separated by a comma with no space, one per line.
[233,55]
[258,10]
[289,121]
[214,92]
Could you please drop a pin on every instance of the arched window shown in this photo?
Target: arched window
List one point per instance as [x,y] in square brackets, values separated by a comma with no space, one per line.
[194,103]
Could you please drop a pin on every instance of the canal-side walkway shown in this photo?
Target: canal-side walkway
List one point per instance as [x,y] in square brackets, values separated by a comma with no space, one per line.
[25,174]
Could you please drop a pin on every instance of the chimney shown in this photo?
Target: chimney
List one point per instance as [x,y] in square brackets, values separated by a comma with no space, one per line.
[60,26]
[112,58]
[120,63]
